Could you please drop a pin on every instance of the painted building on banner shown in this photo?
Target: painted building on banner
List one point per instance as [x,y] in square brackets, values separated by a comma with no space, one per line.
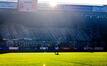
[27,5]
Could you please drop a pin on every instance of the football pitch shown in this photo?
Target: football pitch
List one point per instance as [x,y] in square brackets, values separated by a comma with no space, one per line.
[50,59]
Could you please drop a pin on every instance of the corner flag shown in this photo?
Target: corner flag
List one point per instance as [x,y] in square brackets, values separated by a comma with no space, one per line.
[27,5]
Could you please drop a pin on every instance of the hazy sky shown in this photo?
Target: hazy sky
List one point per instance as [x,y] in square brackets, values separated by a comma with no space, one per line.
[88,2]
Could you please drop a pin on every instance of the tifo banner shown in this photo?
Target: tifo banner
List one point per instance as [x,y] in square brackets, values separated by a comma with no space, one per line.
[27,5]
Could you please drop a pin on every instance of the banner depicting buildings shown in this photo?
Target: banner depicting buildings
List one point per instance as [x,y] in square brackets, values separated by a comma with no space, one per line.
[27,5]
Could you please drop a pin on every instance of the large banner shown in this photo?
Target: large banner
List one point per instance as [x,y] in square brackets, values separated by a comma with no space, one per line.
[27,5]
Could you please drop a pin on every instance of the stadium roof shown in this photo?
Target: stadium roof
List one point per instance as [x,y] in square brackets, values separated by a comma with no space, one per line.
[77,2]
[43,6]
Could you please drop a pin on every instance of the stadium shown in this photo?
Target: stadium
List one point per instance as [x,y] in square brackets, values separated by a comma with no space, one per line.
[71,30]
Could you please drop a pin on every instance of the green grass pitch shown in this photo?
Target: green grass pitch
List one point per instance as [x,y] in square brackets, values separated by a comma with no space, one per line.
[50,59]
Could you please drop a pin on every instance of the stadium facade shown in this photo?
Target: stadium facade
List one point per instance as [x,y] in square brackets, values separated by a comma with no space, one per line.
[69,27]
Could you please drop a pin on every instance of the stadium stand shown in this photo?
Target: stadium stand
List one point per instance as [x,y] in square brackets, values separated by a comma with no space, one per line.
[71,30]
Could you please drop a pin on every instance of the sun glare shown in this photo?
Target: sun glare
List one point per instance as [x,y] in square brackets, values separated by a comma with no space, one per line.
[53,3]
